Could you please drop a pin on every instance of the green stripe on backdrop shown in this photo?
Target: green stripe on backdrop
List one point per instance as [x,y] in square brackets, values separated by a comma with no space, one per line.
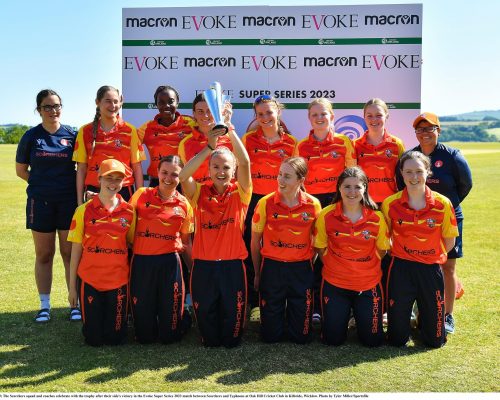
[271,42]
[290,106]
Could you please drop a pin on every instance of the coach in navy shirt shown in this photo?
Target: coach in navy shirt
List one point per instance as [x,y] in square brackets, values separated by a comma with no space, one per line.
[451,176]
[44,160]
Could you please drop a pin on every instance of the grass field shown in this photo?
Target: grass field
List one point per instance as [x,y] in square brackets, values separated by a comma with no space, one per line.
[53,357]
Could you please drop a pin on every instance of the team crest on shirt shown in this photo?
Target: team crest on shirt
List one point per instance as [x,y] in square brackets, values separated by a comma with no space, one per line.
[177,210]
[65,142]
[282,153]
[438,164]
[123,222]
[305,216]
[366,234]
[431,222]
[118,143]
[335,154]
[388,153]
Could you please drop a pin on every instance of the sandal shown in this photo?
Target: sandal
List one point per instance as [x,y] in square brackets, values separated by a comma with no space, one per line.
[255,314]
[42,316]
[75,314]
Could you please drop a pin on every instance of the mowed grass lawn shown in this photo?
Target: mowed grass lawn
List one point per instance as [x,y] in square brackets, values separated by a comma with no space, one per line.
[53,357]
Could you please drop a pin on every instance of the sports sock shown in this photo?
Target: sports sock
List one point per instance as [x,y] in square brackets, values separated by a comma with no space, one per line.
[45,301]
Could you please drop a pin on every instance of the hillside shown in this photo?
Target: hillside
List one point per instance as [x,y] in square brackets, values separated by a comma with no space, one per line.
[472,116]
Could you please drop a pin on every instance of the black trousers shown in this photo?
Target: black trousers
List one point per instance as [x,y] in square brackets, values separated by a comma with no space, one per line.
[157,297]
[219,293]
[286,296]
[104,314]
[337,303]
[410,281]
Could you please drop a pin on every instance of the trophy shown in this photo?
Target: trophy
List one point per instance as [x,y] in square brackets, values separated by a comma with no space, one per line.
[215,101]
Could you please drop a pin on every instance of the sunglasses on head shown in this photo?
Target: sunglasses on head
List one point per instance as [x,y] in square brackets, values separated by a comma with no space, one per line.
[264,97]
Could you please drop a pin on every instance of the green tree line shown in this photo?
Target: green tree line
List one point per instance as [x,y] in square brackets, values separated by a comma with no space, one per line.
[468,133]
[12,134]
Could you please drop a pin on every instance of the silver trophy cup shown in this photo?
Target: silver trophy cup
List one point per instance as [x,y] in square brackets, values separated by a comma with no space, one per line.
[215,101]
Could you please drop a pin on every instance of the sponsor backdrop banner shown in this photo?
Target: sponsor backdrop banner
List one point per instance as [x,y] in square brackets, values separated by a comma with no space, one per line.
[347,54]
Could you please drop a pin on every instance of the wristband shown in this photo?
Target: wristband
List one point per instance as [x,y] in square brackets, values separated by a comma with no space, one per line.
[210,147]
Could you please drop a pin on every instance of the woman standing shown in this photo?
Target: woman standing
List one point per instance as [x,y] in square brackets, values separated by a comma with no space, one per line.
[195,142]
[218,277]
[451,177]
[282,233]
[162,135]
[327,153]
[378,152]
[351,239]
[100,231]
[43,159]
[107,137]
[267,147]
[423,229]
[163,231]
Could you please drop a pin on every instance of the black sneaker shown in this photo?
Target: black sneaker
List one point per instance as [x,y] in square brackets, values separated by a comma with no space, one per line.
[449,323]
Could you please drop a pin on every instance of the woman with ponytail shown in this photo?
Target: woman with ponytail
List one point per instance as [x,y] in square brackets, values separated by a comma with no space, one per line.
[267,146]
[108,136]
[282,252]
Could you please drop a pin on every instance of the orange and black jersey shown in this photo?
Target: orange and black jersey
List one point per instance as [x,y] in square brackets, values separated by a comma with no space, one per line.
[417,235]
[219,220]
[351,260]
[265,158]
[162,140]
[160,223]
[326,160]
[120,143]
[195,142]
[287,231]
[104,236]
[379,163]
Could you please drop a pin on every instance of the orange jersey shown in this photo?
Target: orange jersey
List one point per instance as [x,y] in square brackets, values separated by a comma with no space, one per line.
[220,220]
[265,158]
[417,235]
[325,161]
[120,143]
[351,260]
[160,222]
[162,140]
[379,163]
[287,232]
[193,144]
[104,236]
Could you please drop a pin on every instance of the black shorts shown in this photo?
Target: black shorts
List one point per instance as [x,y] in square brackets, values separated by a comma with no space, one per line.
[456,251]
[49,215]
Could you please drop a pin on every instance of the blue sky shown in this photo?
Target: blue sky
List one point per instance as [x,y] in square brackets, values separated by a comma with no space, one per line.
[75,46]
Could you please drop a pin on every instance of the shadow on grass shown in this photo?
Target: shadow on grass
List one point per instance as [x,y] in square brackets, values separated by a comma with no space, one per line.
[38,354]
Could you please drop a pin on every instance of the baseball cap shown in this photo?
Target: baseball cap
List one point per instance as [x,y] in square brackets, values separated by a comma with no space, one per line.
[429,117]
[111,165]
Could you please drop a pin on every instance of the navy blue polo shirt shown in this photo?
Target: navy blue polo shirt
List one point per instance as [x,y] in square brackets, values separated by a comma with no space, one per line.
[451,175]
[49,156]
